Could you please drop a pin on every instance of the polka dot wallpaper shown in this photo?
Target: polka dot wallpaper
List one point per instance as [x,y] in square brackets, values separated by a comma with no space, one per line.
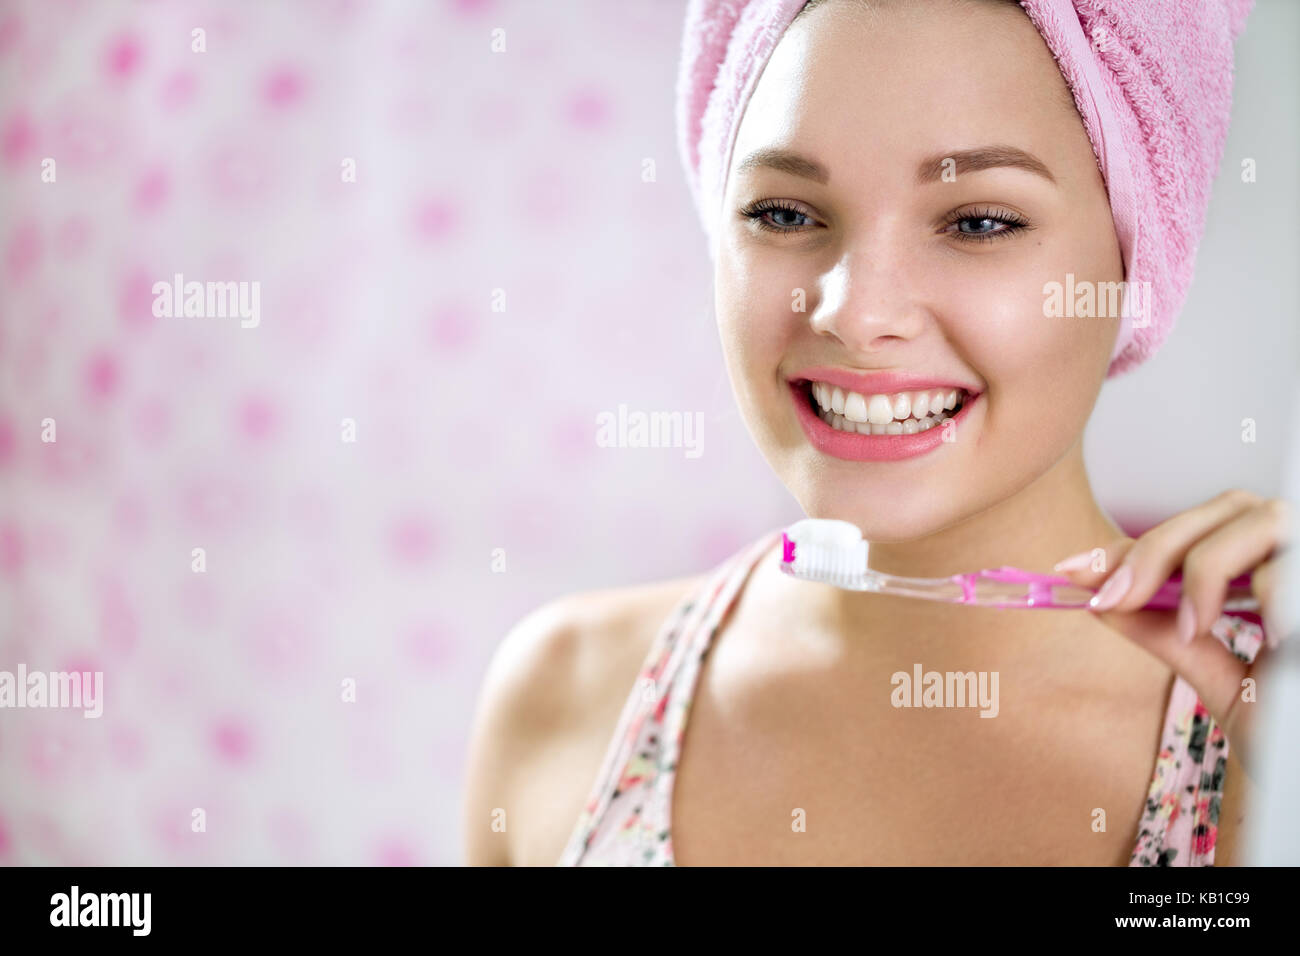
[308,313]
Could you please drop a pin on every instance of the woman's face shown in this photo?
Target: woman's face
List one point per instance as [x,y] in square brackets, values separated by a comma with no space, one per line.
[909,264]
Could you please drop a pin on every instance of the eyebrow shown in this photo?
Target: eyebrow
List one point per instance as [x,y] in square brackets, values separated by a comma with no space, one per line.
[929,170]
[785,161]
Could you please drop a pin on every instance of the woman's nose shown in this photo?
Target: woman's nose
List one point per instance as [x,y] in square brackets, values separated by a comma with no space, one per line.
[868,304]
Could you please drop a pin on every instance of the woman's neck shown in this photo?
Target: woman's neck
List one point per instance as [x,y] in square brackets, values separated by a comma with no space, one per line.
[1050,519]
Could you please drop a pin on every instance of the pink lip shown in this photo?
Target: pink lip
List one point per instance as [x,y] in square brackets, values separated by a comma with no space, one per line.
[876,383]
[838,444]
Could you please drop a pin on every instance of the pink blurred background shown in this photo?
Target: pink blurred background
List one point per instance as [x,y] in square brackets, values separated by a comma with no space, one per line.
[544,176]
[477,171]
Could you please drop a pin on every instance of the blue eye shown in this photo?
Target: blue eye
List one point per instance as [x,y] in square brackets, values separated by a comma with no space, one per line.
[977,225]
[776,215]
[987,224]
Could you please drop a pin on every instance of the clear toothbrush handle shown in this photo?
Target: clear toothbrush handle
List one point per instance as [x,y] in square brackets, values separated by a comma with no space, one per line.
[1012,587]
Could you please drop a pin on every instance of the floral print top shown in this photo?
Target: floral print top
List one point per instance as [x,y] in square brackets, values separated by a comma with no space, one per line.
[625,821]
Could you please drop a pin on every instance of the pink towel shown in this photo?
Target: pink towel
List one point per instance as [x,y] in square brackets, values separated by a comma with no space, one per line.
[1152,80]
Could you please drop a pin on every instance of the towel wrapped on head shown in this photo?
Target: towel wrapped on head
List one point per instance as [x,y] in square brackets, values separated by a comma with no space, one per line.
[1152,80]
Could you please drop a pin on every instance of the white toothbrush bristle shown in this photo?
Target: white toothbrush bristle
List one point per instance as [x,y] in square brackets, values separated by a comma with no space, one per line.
[829,551]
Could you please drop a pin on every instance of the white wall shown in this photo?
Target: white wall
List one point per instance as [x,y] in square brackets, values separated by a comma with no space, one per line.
[1169,434]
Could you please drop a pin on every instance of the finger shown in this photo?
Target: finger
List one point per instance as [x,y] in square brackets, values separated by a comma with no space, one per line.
[1091,568]
[1214,671]
[1235,547]
[1159,552]
[1264,586]
[1264,582]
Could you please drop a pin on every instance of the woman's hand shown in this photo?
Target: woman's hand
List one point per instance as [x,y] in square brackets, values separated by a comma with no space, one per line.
[1234,533]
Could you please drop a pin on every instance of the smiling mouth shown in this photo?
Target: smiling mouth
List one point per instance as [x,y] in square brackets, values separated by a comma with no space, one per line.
[895,413]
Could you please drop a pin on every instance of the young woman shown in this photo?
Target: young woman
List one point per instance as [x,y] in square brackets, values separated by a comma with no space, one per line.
[905,181]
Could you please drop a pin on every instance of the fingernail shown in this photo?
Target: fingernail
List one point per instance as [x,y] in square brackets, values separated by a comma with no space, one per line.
[1186,620]
[1113,590]
[1272,634]
[1077,562]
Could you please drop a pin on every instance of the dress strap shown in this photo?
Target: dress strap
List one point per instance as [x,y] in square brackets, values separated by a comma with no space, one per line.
[650,696]
[1180,823]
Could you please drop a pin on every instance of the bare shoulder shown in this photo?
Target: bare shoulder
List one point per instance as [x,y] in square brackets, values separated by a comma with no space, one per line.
[546,712]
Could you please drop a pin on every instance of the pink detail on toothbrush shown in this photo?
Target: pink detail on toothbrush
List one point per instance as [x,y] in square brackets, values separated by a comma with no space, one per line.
[1038,586]
[1039,593]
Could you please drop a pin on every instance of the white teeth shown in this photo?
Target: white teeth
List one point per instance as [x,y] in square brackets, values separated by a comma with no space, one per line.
[901,413]
[880,411]
[855,407]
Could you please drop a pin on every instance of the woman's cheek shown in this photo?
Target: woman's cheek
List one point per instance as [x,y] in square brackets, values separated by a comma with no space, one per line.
[757,321]
[1003,327]
[753,345]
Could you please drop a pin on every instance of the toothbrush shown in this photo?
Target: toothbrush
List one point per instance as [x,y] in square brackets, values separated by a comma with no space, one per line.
[834,552]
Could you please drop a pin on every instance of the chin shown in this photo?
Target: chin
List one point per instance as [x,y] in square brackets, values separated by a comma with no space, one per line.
[902,518]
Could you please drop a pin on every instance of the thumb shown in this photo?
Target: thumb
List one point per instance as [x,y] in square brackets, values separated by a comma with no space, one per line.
[1090,568]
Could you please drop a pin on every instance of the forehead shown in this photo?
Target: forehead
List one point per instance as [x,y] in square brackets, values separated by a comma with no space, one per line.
[883,85]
